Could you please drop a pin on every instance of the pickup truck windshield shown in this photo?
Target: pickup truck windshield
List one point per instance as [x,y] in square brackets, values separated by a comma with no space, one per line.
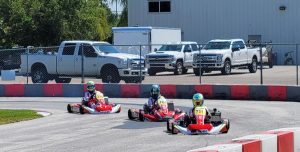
[106,48]
[217,45]
[170,48]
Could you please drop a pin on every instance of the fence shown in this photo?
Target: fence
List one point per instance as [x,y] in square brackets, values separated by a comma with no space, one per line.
[179,64]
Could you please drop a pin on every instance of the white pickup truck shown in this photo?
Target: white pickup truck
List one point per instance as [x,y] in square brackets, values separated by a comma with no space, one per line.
[100,59]
[223,55]
[176,57]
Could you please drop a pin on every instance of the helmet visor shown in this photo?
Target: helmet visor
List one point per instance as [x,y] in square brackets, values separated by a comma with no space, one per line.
[198,102]
[91,88]
[155,92]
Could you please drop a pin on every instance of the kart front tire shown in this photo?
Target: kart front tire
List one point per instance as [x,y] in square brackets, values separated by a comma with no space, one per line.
[141,117]
[81,110]
[119,110]
[69,108]
[173,130]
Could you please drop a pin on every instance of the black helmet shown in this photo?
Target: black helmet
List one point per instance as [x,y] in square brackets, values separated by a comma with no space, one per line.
[155,91]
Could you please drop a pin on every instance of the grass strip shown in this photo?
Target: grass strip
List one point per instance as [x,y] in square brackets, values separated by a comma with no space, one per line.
[11,116]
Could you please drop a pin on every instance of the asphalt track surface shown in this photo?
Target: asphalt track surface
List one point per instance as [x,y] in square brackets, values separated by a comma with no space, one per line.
[278,75]
[62,131]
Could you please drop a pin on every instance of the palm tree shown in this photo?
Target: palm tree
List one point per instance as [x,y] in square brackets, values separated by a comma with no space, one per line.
[123,17]
[122,2]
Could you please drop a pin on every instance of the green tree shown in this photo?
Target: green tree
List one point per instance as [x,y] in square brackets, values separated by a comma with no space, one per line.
[39,22]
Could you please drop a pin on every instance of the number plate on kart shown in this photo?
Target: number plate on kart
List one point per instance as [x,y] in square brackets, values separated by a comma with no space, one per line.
[200,111]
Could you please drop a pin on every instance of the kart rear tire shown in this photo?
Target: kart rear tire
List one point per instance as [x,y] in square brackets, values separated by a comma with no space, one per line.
[141,117]
[69,108]
[130,114]
[173,130]
[227,122]
[81,110]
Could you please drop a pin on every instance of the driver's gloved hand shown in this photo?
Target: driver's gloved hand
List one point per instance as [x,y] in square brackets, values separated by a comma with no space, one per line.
[93,106]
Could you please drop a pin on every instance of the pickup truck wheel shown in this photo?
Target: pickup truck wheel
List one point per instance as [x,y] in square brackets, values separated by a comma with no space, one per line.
[197,71]
[270,64]
[227,68]
[1,67]
[63,80]
[253,66]
[39,75]
[179,68]
[111,76]
[151,72]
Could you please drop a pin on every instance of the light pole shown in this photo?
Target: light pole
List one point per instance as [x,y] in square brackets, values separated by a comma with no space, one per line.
[117,8]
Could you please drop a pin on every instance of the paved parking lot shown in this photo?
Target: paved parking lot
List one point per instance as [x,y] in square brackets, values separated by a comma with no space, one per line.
[279,75]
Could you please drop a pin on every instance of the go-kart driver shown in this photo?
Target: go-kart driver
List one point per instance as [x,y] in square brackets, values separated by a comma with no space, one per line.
[152,105]
[92,97]
[198,101]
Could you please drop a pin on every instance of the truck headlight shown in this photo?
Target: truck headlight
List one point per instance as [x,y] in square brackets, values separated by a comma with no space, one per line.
[123,62]
[172,58]
[219,58]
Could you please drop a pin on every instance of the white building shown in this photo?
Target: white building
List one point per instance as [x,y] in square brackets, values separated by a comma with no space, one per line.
[202,20]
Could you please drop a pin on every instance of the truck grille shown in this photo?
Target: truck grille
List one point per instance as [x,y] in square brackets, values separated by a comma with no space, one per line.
[205,58]
[157,65]
[159,59]
[137,64]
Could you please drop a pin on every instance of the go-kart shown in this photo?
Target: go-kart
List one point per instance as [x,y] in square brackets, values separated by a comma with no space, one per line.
[165,112]
[103,108]
[201,123]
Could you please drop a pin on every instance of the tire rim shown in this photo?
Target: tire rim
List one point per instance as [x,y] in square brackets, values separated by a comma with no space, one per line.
[227,68]
[38,75]
[109,78]
[179,67]
[254,65]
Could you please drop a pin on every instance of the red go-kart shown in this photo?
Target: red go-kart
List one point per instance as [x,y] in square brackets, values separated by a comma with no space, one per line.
[200,124]
[164,112]
[105,107]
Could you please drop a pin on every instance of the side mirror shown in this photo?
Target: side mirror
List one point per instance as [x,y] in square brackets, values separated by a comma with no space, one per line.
[155,49]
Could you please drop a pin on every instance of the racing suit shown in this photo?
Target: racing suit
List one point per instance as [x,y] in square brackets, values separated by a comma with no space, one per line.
[192,115]
[152,107]
[152,103]
[94,99]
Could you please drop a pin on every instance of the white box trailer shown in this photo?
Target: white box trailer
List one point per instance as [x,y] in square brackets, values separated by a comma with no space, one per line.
[126,39]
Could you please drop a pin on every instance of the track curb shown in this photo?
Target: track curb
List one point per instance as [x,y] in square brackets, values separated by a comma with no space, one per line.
[210,91]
